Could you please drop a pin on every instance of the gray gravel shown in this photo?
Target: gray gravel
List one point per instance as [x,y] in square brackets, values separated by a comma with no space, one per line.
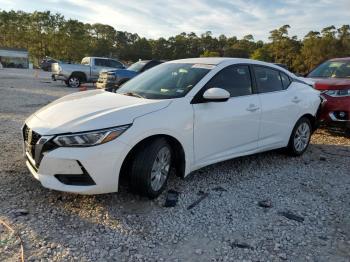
[241,219]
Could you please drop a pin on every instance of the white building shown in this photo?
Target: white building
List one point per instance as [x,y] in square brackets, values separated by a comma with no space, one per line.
[14,57]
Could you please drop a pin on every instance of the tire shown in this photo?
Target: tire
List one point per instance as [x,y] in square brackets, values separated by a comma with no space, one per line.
[300,137]
[150,168]
[347,131]
[74,81]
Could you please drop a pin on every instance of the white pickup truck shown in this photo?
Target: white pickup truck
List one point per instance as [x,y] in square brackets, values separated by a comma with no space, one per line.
[88,71]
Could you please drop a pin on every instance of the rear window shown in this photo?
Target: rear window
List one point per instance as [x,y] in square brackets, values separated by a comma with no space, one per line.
[101,62]
[267,79]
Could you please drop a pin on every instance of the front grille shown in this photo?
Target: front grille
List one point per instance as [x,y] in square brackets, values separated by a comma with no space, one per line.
[31,138]
[35,138]
[36,151]
[25,132]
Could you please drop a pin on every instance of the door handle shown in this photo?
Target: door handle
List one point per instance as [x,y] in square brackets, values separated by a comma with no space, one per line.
[296,100]
[252,108]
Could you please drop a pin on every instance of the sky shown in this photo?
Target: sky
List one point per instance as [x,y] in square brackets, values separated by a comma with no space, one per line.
[157,18]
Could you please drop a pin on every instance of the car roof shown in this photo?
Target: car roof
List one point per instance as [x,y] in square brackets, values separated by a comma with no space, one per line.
[96,57]
[340,59]
[220,60]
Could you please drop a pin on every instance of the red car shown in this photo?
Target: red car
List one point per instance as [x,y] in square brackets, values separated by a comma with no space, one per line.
[332,78]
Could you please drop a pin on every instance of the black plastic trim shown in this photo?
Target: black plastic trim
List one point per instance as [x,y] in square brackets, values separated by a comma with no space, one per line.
[76,180]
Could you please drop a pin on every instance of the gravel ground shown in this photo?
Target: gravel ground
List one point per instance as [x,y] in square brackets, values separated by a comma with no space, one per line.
[266,207]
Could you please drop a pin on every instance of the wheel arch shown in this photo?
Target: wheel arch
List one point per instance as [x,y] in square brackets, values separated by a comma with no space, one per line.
[312,119]
[179,163]
[80,75]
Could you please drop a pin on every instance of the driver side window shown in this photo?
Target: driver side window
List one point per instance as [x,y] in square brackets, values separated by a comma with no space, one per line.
[234,79]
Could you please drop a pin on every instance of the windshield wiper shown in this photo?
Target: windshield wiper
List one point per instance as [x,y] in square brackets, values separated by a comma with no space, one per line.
[132,94]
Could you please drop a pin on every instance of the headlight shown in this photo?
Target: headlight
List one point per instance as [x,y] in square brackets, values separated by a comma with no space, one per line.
[111,77]
[91,138]
[338,93]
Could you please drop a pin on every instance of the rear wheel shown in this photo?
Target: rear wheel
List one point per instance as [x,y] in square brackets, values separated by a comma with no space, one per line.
[150,168]
[74,81]
[300,137]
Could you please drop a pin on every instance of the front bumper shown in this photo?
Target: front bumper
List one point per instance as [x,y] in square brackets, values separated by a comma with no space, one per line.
[65,168]
[105,85]
[336,110]
[56,77]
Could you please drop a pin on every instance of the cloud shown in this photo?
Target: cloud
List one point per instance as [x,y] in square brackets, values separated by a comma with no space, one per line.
[156,18]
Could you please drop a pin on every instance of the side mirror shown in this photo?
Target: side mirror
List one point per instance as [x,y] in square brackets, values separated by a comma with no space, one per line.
[216,94]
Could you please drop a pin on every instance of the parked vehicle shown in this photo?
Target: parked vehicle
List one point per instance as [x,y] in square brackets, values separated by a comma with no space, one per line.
[47,62]
[111,80]
[282,65]
[181,115]
[332,78]
[88,71]
[1,67]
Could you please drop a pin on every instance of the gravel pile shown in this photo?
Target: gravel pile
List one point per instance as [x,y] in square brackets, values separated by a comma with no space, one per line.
[266,207]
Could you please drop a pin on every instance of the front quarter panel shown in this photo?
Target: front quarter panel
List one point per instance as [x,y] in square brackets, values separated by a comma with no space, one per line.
[176,121]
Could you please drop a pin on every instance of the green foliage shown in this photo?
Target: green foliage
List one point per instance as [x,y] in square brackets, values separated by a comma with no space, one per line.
[208,53]
[48,34]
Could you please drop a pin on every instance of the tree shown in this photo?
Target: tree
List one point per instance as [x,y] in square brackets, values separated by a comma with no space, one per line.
[208,53]
[49,34]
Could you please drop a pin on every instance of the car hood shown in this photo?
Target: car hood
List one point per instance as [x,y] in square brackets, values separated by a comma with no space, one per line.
[91,110]
[331,83]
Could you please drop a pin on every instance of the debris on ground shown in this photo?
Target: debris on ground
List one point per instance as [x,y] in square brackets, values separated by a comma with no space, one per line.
[19,212]
[219,189]
[239,244]
[203,195]
[292,216]
[265,203]
[171,199]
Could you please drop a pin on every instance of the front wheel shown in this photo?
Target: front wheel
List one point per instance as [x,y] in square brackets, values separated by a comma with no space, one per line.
[150,168]
[300,137]
[74,81]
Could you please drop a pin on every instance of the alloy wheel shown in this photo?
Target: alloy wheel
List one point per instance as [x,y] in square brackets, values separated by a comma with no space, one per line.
[74,82]
[302,137]
[160,169]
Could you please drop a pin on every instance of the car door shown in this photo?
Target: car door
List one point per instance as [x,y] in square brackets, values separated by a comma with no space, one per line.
[115,64]
[279,104]
[223,130]
[99,65]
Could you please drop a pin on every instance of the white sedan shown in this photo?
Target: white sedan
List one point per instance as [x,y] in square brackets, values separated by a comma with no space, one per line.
[181,115]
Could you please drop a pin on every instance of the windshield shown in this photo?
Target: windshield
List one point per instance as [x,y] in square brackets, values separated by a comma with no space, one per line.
[334,69]
[170,80]
[137,66]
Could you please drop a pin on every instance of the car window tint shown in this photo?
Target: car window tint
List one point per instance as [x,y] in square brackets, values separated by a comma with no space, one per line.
[148,66]
[285,80]
[234,79]
[267,79]
[101,62]
[114,63]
